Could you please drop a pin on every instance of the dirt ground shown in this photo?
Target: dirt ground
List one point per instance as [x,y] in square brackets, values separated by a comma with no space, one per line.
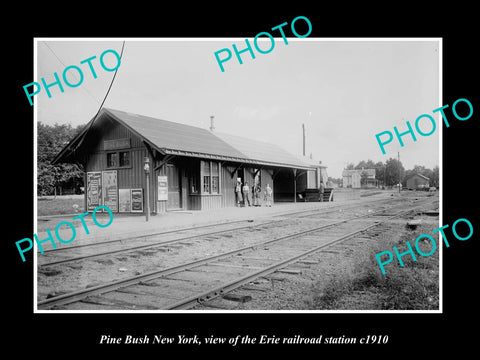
[334,279]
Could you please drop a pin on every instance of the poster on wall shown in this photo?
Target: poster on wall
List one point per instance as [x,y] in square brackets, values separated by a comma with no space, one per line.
[137,200]
[110,191]
[94,190]
[162,188]
[124,200]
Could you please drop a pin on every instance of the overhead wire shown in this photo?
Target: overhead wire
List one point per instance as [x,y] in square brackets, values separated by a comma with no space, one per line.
[111,83]
[61,62]
[101,105]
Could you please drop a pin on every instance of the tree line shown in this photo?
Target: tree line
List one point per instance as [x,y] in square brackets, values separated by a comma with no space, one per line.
[51,179]
[389,173]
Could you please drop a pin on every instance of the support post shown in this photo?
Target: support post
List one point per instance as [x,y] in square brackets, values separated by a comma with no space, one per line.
[146,168]
[294,185]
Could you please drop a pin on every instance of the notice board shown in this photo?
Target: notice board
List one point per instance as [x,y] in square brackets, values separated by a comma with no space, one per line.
[124,200]
[162,187]
[137,200]
[94,190]
[110,190]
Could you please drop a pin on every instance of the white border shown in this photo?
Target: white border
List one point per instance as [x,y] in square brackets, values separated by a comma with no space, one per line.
[440,103]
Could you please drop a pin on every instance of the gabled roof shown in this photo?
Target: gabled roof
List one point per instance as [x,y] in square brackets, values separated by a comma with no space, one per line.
[179,139]
[174,138]
[420,175]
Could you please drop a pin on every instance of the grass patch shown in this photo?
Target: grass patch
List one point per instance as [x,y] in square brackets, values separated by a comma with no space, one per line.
[60,205]
[412,287]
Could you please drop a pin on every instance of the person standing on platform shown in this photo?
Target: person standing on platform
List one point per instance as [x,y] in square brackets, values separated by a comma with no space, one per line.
[322,190]
[268,195]
[256,195]
[246,194]
[238,192]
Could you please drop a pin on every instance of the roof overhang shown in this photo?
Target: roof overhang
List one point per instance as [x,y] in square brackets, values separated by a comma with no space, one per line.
[76,142]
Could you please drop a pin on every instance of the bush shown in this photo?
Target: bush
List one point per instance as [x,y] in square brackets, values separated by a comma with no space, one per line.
[412,287]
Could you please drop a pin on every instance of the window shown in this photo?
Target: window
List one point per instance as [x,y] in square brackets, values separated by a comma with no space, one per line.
[124,158]
[214,172]
[205,169]
[193,184]
[214,184]
[210,175]
[206,184]
[112,159]
[118,159]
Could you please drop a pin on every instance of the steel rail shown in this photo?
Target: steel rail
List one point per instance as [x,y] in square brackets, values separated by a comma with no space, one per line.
[98,243]
[142,236]
[147,246]
[166,242]
[225,288]
[112,286]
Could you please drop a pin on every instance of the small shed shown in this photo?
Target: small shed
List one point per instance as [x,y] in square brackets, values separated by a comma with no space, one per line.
[417,181]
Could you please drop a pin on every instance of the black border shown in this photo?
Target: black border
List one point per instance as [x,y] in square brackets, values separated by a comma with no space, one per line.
[410,334]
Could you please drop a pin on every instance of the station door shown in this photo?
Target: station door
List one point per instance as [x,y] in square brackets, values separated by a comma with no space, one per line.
[174,189]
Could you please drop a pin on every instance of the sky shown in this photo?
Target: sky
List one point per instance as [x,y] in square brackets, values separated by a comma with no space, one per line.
[345,91]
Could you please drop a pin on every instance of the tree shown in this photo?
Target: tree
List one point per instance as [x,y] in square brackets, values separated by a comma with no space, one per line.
[369,164]
[392,169]
[363,178]
[435,179]
[380,172]
[50,141]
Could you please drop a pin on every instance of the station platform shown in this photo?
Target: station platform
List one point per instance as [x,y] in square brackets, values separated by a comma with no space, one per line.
[124,226]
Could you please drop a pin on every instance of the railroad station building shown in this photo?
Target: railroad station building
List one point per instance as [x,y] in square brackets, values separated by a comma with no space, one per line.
[187,167]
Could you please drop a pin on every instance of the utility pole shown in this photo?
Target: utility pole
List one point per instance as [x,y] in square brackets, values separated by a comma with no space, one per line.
[303,130]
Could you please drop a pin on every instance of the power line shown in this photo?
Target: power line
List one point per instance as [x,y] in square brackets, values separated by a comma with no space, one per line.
[111,83]
[100,108]
[61,62]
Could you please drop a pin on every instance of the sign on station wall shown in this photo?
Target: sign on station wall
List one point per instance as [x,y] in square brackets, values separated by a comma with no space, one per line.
[94,190]
[124,200]
[162,187]
[110,190]
[137,200]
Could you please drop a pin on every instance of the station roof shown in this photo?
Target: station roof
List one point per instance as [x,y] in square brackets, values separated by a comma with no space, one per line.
[179,139]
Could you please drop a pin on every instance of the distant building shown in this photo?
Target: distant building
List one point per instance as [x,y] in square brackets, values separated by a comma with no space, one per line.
[417,181]
[353,178]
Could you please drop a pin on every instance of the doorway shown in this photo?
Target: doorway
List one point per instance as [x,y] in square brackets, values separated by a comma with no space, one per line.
[174,189]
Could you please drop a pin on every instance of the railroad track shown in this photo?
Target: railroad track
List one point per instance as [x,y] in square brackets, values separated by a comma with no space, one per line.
[71,253]
[190,283]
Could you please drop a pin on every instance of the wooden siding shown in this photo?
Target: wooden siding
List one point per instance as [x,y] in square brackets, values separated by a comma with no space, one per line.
[134,176]
[160,206]
[131,177]
[205,202]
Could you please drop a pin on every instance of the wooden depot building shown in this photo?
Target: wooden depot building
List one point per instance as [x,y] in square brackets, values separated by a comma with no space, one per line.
[187,167]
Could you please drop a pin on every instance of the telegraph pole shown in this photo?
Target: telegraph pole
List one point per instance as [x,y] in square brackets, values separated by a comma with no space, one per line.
[303,130]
